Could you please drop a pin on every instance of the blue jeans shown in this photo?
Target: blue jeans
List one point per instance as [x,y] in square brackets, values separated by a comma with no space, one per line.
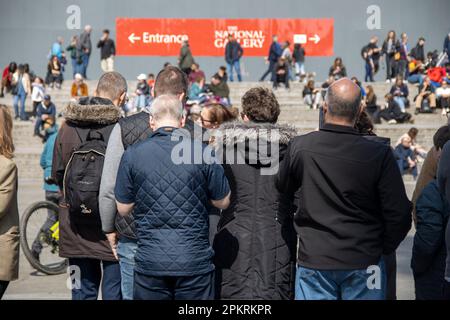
[140,101]
[200,287]
[415,78]
[126,250]
[90,272]
[313,284]
[401,102]
[369,74]
[84,64]
[75,66]
[270,71]
[237,67]
[20,98]
[299,70]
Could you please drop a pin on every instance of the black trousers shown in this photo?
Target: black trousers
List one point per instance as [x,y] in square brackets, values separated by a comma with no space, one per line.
[199,287]
[3,286]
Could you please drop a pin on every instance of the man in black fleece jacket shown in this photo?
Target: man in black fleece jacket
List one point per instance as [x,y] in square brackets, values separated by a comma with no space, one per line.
[352,205]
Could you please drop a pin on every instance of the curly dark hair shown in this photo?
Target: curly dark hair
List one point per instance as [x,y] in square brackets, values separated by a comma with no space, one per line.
[260,105]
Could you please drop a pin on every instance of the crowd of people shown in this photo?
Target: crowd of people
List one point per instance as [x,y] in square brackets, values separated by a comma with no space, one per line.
[242,207]
[210,227]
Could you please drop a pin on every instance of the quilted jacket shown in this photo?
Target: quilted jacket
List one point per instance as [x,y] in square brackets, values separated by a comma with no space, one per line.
[171,206]
[134,129]
[255,242]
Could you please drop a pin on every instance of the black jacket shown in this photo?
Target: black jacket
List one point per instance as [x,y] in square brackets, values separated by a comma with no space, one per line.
[428,254]
[255,242]
[107,48]
[352,206]
[133,129]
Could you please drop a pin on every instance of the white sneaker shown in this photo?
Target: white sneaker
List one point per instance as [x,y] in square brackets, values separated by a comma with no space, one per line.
[444,112]
[392,121]
[388,81]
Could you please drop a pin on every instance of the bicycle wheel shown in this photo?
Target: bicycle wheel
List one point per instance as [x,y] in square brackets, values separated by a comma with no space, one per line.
[38,231]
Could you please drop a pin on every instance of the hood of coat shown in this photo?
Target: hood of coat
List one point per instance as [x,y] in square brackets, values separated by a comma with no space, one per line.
[239,132]
[264,141]
[92,110]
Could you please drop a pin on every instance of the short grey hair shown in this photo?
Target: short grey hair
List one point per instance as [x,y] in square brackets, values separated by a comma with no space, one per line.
[167,107]
[111,85]
[343,107]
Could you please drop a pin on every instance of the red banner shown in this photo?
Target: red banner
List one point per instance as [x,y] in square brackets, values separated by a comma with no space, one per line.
[208,37]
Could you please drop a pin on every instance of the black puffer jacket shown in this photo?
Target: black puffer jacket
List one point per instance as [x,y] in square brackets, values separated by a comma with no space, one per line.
[133,129]
[255,243]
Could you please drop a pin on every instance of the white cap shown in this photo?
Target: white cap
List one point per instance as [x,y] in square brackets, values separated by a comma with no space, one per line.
[142,76]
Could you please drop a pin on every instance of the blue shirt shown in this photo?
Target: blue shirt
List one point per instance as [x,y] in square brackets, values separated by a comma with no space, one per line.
[172,202]
[57,50]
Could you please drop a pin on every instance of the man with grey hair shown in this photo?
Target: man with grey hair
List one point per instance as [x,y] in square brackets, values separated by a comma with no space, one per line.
[170,202]
[352,206]
[85,48]
[119,230]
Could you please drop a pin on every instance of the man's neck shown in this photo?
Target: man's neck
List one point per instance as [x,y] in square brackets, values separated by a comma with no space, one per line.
[339,122]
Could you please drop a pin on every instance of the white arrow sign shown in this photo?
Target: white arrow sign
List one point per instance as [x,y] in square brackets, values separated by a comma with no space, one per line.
[132,38]
[316,38]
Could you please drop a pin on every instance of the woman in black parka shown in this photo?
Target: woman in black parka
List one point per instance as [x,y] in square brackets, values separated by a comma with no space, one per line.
[255,243]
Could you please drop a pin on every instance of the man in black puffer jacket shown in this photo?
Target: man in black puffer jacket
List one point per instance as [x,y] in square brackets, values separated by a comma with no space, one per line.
[130,130]
[255,242]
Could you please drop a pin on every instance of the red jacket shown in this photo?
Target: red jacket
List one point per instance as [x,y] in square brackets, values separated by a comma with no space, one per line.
[436,74]
[5,73]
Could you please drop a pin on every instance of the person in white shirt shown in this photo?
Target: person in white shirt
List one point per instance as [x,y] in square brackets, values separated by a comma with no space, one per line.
[443,96]
[37,93]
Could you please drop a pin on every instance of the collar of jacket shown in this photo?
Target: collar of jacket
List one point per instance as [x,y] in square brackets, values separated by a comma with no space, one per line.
[92,110]
[339,129]
[166,131]
[238,132]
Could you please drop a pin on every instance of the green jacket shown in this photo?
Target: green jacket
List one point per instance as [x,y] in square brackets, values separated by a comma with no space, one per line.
[186,59]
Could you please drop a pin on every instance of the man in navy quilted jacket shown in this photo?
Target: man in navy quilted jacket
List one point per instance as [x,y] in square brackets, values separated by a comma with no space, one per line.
[171,190]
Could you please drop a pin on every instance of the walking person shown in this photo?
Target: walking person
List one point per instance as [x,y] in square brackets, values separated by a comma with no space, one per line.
[119,230]
[174,258]
[298,57]
[88,125]
[255,241]
[22,87]
[233,55]
[185,59]
[85,49]
[107,51]
[52,192]
[349,213]
[9,214]
[389,49]
[75,57]
[275,52]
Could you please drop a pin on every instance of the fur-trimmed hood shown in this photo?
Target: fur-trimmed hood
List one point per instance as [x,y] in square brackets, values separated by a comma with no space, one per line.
[239,132]
[92,110]
[259,144]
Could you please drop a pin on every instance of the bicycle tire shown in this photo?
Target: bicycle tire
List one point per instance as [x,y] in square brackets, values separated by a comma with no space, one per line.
[60,267]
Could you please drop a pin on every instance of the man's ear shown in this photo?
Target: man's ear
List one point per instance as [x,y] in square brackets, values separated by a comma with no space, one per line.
[152,123]
[245,118]
[325,107]
[183,122]
[182,96]
[152,92]
[122,98]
